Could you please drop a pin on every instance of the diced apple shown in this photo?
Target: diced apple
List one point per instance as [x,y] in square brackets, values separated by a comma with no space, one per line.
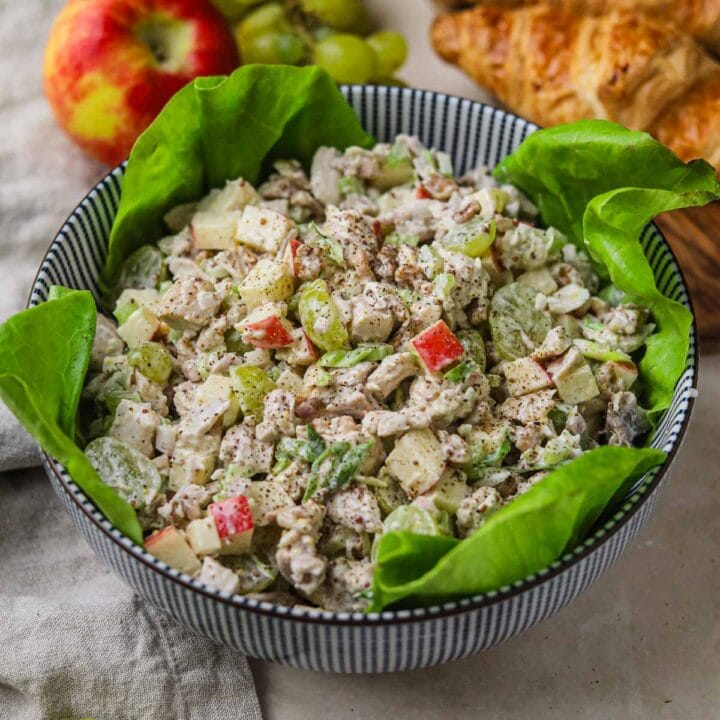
[262,229]
[139,327]
[268,281]
[265,327]
[214,230]
[302,351]
[266,497]
[170,546]
[525,375]
[290,254]
[289,380]
[449,492]
[626,373]
[234,196]
[437,347]
[567,299]
[219,387]
[573,377]
[204,536]
[234,522]
[417,462]
[540,280]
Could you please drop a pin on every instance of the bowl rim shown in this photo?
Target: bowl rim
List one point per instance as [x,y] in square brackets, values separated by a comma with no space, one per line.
[612,525]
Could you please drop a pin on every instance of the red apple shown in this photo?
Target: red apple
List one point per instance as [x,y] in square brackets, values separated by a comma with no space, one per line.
[234,523]
[170,546]
[437,347]
[265,328]
[111,65]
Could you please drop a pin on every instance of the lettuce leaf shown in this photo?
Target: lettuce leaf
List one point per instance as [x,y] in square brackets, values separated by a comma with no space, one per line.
[518,540]
[44,355]
[220,128]
[601,184]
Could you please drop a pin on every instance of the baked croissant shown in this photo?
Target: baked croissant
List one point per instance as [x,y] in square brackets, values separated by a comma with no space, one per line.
[556,66]
[699,18]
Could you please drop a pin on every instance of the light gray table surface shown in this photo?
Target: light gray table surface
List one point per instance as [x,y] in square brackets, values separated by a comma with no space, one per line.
[642,643]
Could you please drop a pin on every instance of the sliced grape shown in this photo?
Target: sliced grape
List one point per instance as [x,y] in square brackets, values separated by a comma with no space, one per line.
[347,58]
[517,326]
[130,473]
[410,518]
[143,269]
[320,318]
[391,51]
[256,574]
[267,18]
[152,360]
[251,385]
[472,238]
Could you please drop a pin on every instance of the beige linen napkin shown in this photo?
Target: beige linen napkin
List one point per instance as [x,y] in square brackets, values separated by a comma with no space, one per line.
[74,641]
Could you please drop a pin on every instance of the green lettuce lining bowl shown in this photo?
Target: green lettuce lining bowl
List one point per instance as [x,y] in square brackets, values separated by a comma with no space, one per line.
[393,640]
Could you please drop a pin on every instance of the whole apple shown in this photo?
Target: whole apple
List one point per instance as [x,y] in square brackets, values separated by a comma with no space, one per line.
[111,65]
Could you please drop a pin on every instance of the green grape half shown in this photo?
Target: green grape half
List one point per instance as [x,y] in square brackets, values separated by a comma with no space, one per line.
[152,360]
[265,19]
[391,51]
[347,58]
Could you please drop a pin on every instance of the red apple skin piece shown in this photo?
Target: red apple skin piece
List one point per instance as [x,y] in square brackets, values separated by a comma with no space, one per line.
[310,347]
[437,347]
[173,549]
[233,519]
[103,82]
[269,333]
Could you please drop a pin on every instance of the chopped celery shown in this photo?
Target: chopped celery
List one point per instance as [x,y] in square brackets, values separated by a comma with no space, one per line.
[335,467]
[398,155]
[402,239]
[596,351]
[330,247]
[251,385]
[350,186]
[234,342]
[460,371]
[373,352]
[320,318]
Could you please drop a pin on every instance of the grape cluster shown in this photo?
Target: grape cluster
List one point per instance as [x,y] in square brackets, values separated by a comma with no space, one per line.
[334,34]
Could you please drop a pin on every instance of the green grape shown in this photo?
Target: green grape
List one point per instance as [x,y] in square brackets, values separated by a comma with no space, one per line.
[143,269]
[268,18]
[320,318]
[152,360]
[251,385]
[273,48]
[234,9]
[515,323]
[234,342]
[255,572]
[129,472]
[338,14]
[347,58]
[472,238]
[391,51]
[474,345]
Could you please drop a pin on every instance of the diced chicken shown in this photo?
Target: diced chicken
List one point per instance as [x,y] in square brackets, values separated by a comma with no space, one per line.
[455,449]
[567,299]
[150,392]
[438,404]
[385,423]
[625,319]
[135,425]
[190,303]
[391,372]
[242,447]
[185,505]
[278,417]
[556,342]
[184,397]
[107,343]
[356,508]
[294,478]
[471,284]
[297,556]
[165,438]
[372,314]
[346,585]
[217,576]
[353,232]
[324,176]
[626,420]
[475,509]
[528,408]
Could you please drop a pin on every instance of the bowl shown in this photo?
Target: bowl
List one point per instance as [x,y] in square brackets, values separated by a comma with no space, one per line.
[472,134]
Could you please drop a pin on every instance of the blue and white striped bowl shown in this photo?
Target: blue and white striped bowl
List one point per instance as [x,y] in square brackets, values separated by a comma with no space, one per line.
[395,640]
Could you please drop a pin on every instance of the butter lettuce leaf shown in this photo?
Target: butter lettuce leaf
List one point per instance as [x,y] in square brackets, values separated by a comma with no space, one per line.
[601,183]
[518,540]
[44,355]
[221,128]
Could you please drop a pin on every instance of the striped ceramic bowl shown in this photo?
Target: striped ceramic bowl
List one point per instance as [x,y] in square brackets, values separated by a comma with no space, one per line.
[395,640]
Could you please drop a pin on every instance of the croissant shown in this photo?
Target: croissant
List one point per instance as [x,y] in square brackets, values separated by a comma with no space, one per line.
[699,18]
[556,66]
